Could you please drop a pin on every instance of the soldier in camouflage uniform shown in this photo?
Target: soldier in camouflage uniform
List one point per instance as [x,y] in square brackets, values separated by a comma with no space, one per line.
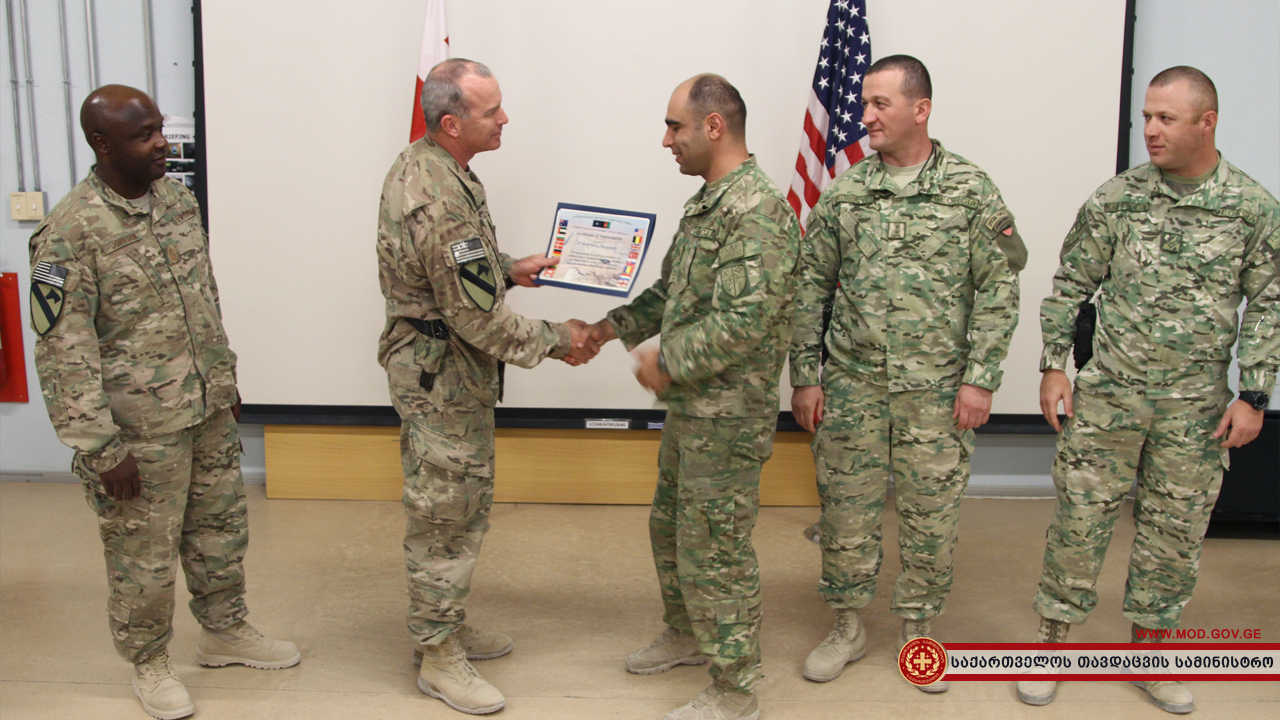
[722,307]
[1169,247]
[138,379]
[920,258]
[448,332]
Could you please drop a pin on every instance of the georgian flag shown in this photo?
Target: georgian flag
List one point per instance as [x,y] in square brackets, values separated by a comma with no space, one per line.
[435,49]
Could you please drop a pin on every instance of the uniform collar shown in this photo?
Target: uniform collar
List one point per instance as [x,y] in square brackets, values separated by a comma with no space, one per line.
[1207,196]
[710,193]
[465,175]
[931,175]
[162,195]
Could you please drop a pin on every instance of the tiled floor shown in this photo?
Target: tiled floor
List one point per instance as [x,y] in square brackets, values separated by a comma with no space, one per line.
[575,587]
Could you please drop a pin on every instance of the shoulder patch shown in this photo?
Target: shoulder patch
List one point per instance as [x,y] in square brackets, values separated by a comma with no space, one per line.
[1000,221]
[479,283]
[732,251]
[466,251]
[47,296]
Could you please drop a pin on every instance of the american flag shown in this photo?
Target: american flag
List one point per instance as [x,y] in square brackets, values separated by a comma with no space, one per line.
[834,136]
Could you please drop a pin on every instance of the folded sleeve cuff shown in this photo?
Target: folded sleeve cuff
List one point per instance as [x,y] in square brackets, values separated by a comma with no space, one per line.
[1258,379]
[564,341]
[983,376]
[106,458]
[1054,357]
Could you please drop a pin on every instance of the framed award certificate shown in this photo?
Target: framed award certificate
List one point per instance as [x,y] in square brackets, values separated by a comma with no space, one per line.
[600,249]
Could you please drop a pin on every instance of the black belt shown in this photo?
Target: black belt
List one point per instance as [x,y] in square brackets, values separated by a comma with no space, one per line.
[431,328]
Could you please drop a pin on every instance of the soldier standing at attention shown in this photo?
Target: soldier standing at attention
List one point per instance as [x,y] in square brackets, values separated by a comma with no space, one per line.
[139,379]
[1169,247]
[919,256]
[722,307]
[449,330]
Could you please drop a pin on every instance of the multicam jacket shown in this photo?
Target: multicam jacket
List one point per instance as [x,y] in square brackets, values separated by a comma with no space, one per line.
[130,332]
[438,259]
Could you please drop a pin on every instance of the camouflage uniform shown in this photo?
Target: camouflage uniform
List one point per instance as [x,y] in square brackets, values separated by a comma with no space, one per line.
[1170,271]
[133,358]
[722,307]
[438,262]
[925,291]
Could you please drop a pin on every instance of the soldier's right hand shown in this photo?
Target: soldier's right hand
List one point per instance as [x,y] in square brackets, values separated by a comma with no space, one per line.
[807,403]
[122,481]
[1055,387]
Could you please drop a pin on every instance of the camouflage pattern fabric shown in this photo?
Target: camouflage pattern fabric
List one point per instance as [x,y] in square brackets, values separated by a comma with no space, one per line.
[923,279]
[723,302]
[139,346]
[868,436]
[438,259]
[433,223]
[191,509]
[1170,269]
[1118,435]
[1170,272]
[722,306]
[447,453]
[705,506]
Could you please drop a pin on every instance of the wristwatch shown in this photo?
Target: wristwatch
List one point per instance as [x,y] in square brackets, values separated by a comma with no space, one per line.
[1259,400]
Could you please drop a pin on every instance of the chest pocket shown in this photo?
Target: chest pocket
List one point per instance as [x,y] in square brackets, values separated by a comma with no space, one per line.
[859,225]
[1217,259]
[950,230]
[1131,255]
[695,253]
[134,281]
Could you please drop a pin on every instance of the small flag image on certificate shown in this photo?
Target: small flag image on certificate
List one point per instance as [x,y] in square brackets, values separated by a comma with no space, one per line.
[600,249]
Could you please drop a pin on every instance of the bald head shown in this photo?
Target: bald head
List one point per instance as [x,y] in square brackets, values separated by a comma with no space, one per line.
[112,105]
[124,128]
[1203,94]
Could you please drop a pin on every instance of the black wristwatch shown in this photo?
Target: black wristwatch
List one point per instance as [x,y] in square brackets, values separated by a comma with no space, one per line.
[1259,400]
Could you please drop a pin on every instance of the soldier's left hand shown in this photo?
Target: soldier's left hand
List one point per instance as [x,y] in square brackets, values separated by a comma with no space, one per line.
[649,374]
[973,407]
[524,272]
[1245,424]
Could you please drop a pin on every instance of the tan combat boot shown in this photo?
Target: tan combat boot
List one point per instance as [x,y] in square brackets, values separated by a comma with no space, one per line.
[1042,692]
[670,649]
[846,644]
[240,644]
[912,629]
[478,644]
[1168,695]
[163,695]
[718,703]
[447,675]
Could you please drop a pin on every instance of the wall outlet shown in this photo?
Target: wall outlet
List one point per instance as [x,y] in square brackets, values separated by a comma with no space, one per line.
[26,205]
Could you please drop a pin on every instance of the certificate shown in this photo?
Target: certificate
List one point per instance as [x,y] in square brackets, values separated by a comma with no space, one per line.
[600,249]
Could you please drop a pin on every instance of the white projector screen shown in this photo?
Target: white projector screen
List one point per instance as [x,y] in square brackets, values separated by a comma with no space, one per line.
[307,104]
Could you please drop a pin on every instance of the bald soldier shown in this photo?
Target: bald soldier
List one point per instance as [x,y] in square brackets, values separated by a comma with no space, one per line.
[139,379]
[1170,248]
[449,330]
[722,307]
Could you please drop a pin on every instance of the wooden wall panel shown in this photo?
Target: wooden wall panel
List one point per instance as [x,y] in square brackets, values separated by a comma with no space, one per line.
[606,467]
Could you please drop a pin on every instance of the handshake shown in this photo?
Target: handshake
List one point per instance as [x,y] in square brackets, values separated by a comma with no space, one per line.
[586,340]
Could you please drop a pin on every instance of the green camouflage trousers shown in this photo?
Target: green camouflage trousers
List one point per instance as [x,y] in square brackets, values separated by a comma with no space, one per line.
[700,525]
[446,449]
[867,436]
[1119,434]
[191,509]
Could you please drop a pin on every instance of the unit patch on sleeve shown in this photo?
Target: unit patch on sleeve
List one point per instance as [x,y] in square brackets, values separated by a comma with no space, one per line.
[479,283]
[47,295]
